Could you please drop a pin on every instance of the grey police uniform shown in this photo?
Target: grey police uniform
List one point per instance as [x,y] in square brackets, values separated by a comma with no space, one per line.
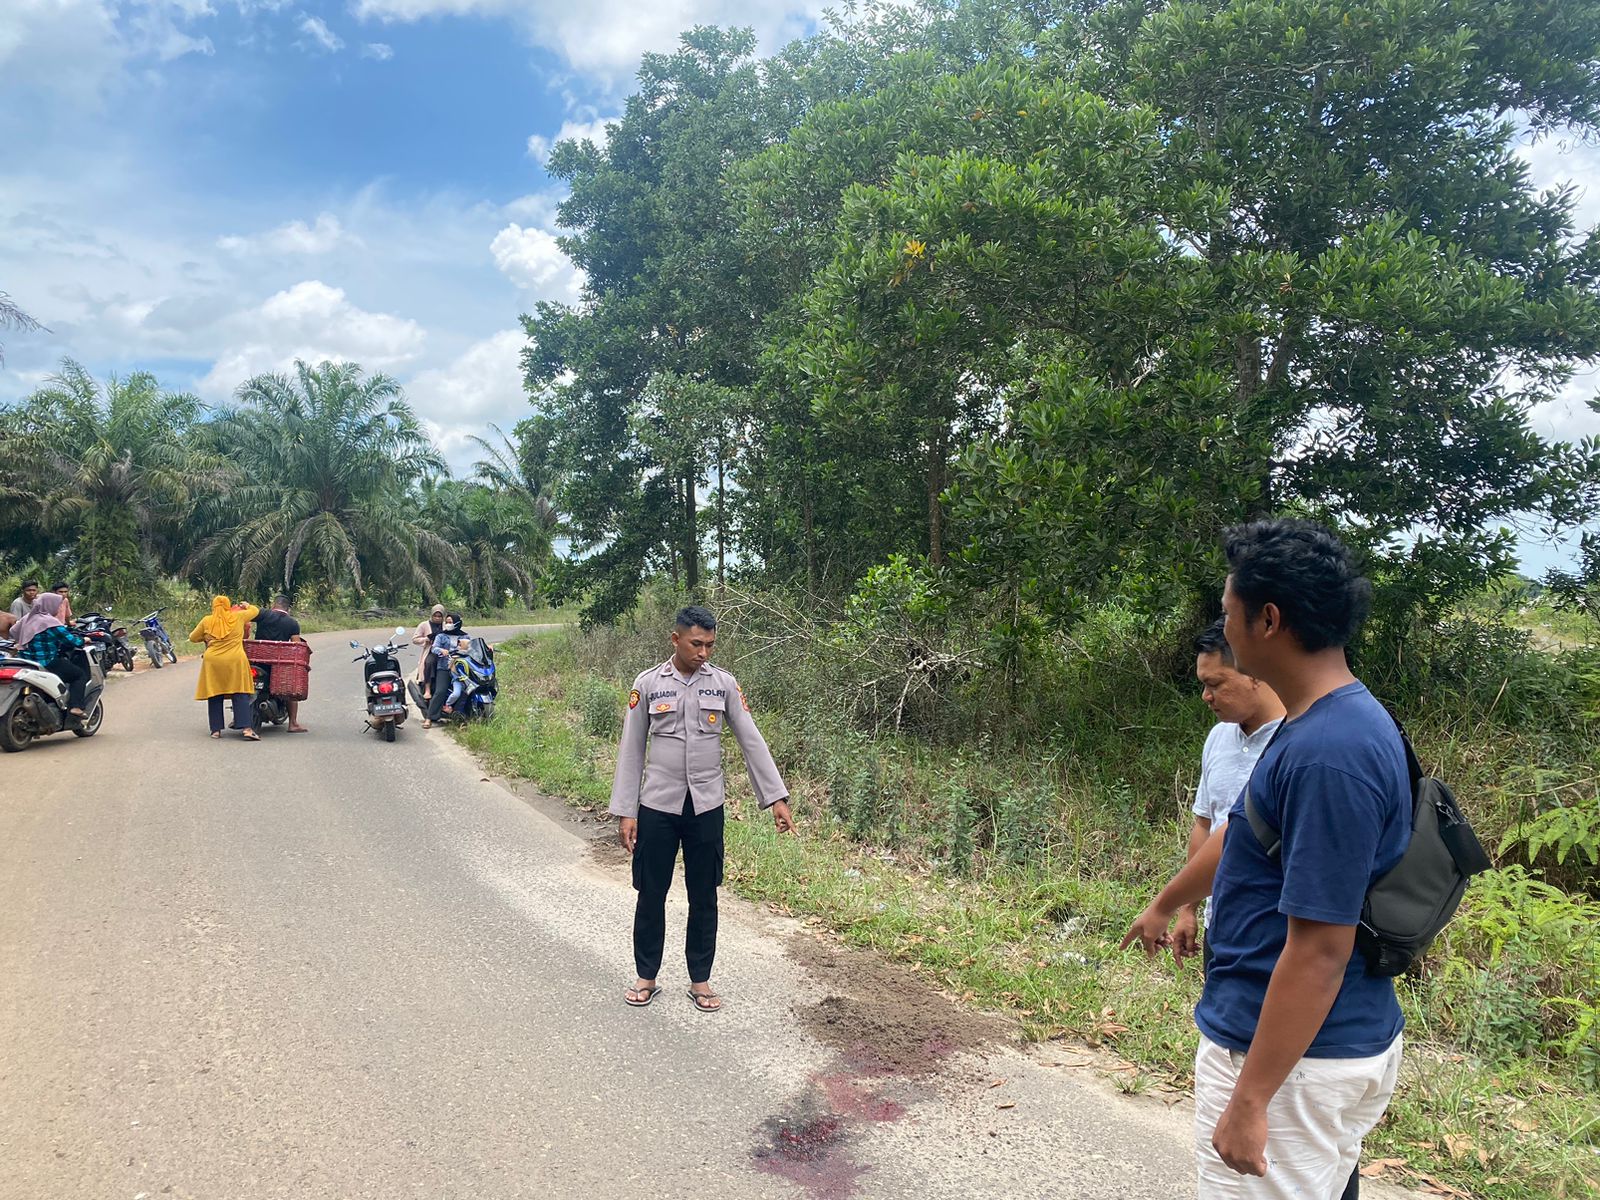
[683,721]
[672,738]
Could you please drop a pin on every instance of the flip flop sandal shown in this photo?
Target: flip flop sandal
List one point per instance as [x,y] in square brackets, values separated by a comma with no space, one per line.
[251,735]
[697,999]
[649,994]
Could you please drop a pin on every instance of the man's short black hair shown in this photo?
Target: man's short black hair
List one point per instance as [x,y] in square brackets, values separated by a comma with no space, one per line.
[1306,572]
[695,617]
[59,586]
[29,583]
[281,600]
[1213,641]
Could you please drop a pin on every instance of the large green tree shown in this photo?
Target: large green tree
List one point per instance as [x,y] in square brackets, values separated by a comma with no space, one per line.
[107,470]
[327,459]
[1245,255]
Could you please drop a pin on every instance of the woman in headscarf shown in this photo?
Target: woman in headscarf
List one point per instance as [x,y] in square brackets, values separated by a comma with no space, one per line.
[225,671]
[426,632]
[45,638]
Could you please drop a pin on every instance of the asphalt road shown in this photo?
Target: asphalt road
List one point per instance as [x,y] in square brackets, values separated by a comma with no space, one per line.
[324,966]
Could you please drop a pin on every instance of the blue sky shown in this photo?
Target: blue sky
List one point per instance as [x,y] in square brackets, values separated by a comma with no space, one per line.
[212,188]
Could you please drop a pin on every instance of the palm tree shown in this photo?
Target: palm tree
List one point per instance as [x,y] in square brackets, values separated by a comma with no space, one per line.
[520,470]
[329,455]
[490,530]
[109,468]
[12,317]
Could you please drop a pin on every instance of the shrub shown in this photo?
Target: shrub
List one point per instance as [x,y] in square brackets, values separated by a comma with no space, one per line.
[601,706]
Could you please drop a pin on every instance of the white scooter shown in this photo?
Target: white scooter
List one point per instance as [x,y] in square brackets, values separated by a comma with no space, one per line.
[33,701]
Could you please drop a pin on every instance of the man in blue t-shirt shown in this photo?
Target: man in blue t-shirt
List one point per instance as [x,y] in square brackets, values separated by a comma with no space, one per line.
[1299,1046]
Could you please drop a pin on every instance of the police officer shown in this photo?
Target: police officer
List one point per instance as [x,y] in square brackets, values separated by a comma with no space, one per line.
[679,709]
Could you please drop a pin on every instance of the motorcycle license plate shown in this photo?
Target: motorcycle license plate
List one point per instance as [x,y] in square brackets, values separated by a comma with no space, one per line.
[387,710]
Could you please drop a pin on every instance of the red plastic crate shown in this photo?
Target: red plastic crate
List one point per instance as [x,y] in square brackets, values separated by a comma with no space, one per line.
[290,663]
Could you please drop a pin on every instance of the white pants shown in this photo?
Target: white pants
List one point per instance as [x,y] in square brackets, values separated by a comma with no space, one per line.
[1315,1123]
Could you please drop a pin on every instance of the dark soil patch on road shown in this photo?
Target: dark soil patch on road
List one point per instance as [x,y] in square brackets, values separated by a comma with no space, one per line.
[882,1018]
[607,851]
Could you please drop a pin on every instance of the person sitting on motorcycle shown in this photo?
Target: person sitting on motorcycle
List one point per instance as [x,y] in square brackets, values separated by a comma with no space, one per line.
[426,632]
[277,624]
[445,643]
[43,637]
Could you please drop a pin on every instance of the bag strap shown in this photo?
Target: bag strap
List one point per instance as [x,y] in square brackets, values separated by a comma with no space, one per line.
[1271,840]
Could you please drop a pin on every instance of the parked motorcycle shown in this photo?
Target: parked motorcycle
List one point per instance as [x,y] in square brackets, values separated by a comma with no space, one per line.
[156,642]
[476,702]
[102,628]
[33,701]
[386,693]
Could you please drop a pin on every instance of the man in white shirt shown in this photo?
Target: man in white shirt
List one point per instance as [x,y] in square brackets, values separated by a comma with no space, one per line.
[1248,714]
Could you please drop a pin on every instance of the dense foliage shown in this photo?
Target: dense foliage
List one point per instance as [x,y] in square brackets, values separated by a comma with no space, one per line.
[321,483]
[1041,294]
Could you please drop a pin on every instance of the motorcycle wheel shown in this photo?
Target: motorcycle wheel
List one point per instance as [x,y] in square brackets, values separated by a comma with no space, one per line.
[127,657]
[91,723]
[486,710]
[16,730]
[388,731]
[155,656]
[172,655]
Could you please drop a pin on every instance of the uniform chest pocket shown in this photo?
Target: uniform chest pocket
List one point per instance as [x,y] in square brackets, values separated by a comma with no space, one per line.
[666,714]
[713,714]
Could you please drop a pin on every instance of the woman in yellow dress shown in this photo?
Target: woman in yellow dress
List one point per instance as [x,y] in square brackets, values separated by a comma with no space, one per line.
[225,671]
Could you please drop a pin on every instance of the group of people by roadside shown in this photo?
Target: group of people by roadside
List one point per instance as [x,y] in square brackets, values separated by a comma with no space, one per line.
[39,625]
[225,668]
[1299,1046]
[440,671]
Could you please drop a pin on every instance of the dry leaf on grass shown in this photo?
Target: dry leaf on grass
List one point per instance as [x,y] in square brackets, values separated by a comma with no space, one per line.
[1379,1165]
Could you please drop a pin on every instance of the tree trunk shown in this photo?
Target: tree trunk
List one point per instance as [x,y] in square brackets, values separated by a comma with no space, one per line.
[935,486]
[691,538]
[722,522]
[808,514]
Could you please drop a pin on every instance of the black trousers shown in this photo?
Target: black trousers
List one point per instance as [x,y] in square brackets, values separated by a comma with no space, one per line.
[654,855]
[441,691]
[69,668]
[243,718]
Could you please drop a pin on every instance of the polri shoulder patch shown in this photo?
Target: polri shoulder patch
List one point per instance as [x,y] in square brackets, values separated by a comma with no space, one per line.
[744,701]
[633,698]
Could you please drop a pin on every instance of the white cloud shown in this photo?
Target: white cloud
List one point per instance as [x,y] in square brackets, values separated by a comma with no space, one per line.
[539,146]
[378,51]
[606,37]
[1557,160]
[317,35]
[531,258]
[69,48]
[310,321]
[483,385]
[294,238]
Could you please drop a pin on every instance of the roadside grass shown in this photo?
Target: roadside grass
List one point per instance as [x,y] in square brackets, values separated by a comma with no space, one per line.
[325,620]
[1027,926]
